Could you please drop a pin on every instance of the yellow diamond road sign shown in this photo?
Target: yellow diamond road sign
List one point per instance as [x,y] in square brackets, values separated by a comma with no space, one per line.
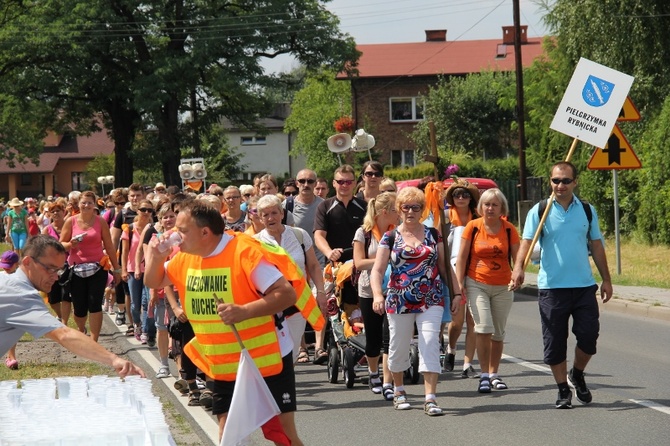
[617,154]
[629,111]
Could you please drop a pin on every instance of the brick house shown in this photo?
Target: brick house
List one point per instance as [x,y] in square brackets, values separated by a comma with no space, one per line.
[61,166]
[386,93]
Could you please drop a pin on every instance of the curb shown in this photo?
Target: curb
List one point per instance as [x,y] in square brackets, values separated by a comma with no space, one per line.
[618,305]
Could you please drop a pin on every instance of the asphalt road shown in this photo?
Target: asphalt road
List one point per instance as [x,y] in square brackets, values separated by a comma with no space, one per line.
[627,377]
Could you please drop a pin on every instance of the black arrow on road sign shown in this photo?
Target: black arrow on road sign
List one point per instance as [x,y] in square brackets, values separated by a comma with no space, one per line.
[613,150]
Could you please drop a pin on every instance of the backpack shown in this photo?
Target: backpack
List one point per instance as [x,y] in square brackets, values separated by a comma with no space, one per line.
[587,211]
[475,229]
[289,208]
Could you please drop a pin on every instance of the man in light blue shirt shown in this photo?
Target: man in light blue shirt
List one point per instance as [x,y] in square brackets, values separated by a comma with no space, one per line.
[566,286]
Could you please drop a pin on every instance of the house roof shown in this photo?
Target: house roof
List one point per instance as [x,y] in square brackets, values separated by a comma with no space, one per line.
[69,147]
[267,123]
[443,57]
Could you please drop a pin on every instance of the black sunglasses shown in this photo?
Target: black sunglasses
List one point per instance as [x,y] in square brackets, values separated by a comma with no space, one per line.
[291,193]
[462,194]
[343,182]
[370,174]
[306,180]
[145,210]
[562,180]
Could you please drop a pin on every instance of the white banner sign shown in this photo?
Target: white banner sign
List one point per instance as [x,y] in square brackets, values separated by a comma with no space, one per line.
[592,102]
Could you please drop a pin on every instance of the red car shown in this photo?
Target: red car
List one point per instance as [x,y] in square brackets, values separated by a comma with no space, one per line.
[481,183]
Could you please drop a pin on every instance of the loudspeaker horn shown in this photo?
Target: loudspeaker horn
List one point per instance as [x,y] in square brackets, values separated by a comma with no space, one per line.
[185,171]
[362,141]
[339,143]
[199,171]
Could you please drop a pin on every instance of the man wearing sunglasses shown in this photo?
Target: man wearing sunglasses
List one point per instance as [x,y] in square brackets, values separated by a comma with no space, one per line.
[305,204]
[336,222]
[566,286]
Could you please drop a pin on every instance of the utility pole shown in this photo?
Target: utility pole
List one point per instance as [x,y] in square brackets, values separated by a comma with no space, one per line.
[519,101]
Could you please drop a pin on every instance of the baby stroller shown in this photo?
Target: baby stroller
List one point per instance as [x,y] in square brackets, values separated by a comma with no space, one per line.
[346,346]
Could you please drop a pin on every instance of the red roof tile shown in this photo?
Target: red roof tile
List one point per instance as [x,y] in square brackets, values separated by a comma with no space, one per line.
[80,147]
[433,58]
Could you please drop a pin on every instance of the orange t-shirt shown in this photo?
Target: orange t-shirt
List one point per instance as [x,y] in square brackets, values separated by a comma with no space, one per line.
[489,253]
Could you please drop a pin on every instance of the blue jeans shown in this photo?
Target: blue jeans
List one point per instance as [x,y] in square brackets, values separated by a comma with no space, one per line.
[139,295]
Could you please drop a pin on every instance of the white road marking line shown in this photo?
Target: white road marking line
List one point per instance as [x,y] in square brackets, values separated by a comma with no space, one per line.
[544,369]
[653,405]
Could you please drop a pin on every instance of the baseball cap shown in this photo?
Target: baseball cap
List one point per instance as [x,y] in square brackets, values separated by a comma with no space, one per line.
[8,259]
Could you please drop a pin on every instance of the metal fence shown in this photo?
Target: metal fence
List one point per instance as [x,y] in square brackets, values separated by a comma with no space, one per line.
[536,190]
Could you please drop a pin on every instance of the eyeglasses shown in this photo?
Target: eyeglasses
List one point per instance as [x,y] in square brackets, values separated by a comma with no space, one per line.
[49,269]
[145,210]
[306,180]
[462,194]
[291,193]
[253,211]
[411,207]
[370,174]
[565,181]
[236,197]
[344,182]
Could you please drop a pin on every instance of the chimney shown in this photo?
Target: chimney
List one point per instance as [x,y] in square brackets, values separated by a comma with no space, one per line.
[508,34]
[436,35]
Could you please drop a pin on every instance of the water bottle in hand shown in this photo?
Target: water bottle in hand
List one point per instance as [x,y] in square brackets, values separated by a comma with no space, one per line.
[173,239]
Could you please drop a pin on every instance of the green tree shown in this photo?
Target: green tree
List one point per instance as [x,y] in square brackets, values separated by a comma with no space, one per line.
[314,111]
[100,166]
[467,116]
[145,67]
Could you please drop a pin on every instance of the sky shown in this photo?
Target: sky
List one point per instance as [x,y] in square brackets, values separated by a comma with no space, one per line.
[394,21]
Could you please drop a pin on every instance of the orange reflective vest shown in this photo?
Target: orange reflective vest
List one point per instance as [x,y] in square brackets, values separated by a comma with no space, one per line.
[214,349]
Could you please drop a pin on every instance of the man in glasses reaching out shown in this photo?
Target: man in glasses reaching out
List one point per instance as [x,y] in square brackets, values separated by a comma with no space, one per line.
[566,286]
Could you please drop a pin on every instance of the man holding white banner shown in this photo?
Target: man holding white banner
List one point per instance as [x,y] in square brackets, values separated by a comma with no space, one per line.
[254,285]
[566,286]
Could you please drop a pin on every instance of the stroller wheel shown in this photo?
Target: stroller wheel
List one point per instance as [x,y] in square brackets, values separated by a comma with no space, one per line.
[348,367]
[333,364]
[413,370]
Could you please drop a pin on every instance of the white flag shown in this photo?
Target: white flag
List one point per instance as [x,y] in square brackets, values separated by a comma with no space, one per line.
[252,405]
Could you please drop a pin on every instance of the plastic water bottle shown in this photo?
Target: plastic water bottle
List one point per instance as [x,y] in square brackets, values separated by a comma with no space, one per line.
[174,239]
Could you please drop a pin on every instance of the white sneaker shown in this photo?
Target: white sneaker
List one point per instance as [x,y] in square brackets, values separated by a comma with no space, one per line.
[143,338]
[163,372]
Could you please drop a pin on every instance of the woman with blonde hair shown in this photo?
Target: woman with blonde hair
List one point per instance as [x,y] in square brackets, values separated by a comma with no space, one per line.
[483,272]
[381,216]
[418,273]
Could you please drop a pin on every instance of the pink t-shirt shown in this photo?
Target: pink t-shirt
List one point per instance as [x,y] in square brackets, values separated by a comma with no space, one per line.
[89,250]
[134,244]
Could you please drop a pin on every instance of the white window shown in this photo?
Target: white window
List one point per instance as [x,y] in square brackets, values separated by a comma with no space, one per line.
[402,158]
[78,181]
[405,109]
[252,140]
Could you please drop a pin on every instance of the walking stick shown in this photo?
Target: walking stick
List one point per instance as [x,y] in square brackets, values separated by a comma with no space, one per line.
[547,210]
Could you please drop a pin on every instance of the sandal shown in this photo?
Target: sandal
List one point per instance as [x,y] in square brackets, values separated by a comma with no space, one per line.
[303,356]
[12,364]
[484,385]
[375,383]
[431,408]
[498,384]
[194,399]
[388,393]
[320,356]
[120,318]
[130,331]
[400,401]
